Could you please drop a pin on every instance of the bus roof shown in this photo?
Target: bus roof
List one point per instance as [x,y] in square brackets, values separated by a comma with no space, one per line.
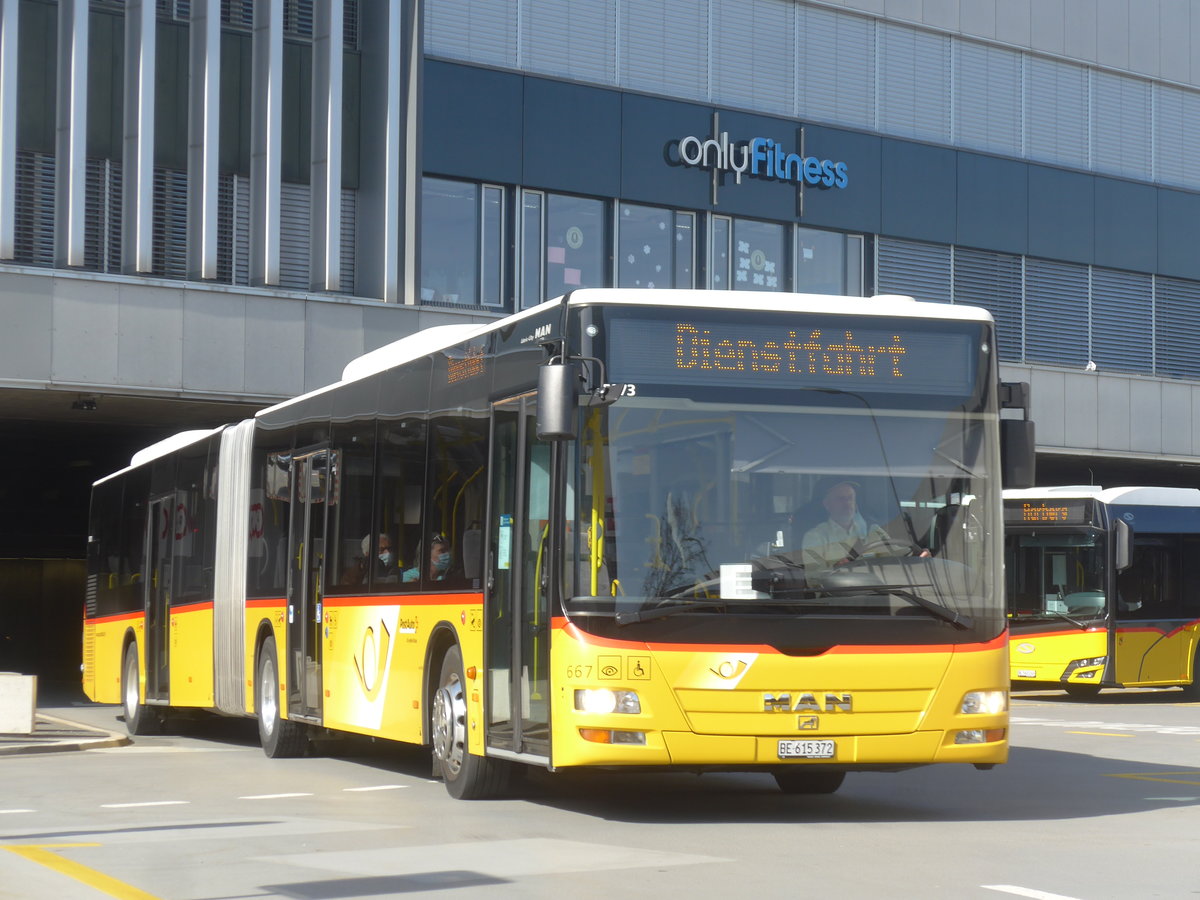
[162,448]
[1124,496]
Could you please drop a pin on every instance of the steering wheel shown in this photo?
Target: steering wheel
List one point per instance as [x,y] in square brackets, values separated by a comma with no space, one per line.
[891,546]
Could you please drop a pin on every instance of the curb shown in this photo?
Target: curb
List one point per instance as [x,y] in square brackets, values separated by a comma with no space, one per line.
[95,738]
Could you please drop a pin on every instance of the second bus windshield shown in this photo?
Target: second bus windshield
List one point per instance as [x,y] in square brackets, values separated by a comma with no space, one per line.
[1054,573]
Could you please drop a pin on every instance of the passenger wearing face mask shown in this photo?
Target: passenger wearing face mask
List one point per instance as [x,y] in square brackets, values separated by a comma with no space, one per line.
[383,566]
[439,561]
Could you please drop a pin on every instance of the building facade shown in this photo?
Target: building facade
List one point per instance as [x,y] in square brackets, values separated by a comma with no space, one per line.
[207,206]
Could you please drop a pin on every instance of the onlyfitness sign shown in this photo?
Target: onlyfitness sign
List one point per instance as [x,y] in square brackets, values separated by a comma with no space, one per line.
[761,157]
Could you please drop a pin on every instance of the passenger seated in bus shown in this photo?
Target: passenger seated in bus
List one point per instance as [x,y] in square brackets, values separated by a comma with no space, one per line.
[383,567]
[438,564]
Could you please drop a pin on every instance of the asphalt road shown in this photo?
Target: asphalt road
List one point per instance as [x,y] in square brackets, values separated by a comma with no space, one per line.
[1099,800]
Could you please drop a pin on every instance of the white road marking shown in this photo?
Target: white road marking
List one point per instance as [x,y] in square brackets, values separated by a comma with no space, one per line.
[145,803]
[497,859]
[6,812]
[1176,799]
[272,796]
[379,787]
[1108,726]
[1025,892]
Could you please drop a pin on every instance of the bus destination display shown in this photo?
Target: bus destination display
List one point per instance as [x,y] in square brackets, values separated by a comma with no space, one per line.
[823,354]
[1047,512]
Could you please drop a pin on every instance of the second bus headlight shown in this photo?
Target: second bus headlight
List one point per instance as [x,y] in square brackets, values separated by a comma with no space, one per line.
[604,700]
[987,702]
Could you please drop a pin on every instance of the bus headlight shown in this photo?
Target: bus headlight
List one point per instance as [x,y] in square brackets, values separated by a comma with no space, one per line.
[984,702]
[604,700]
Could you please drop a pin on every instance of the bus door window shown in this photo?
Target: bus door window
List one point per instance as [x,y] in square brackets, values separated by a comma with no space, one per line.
[314,491]
[1149,588]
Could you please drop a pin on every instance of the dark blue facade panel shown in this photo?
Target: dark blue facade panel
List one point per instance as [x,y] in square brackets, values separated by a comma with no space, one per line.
[572,138]
[1062,214]
[1126,225]
[471,123]
[919,186]
[993,203]
[651,172]
[1178,215]
[856,207]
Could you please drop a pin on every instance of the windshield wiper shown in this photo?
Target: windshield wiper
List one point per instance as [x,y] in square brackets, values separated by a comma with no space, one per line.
[945,613]
[664,612]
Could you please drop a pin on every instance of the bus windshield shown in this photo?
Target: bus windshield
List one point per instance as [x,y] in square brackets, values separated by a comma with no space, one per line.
[1055,574]
[831,508]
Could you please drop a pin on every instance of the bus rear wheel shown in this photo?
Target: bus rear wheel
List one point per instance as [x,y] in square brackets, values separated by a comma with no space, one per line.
[467,777]
[280,738]
[1192,691]
[139,718]
[799,781]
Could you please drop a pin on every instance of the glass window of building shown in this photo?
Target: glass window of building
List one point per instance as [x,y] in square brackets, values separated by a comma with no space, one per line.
[462,243]
[571,253]
[719,229]
[655,247]
[828,262]
[759,256]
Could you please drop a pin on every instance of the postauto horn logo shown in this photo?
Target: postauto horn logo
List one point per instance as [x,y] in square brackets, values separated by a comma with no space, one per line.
[761,157]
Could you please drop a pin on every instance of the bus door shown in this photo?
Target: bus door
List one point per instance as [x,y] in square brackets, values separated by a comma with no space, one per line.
[517,611]
[160,530]
[310,487]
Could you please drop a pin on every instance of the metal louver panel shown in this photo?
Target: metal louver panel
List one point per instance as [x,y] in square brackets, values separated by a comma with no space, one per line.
[1177,328]
[664,47]
[349,230]
[1176,136]
[570,39]
[993,281]
[294,234]
[238,14]
[754,51]
[482,31]
[102,230]
[34,244]
[169,258]
[987,98]
[1122,321]
[914,83]
[233,230]
[836,68]
[1056,111]
[1056,313]
[1120,125]
[915,270]
[350,27]
[298,17]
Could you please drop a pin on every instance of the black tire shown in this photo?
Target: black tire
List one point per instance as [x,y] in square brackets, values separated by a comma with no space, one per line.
[467,777]
[280,737]
[1082,691]
[139,718]
[800,781]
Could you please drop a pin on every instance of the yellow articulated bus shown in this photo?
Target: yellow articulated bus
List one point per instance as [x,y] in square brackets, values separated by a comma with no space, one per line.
[623,529]
[1103,587]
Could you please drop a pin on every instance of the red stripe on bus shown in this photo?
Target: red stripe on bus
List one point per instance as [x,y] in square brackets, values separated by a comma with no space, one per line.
[266,603]
[574,632]
[119,617]
[198,606]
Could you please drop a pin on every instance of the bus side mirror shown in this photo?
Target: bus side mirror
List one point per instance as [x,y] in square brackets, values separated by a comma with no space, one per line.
[1017,461]
[558,389]
[1122,546]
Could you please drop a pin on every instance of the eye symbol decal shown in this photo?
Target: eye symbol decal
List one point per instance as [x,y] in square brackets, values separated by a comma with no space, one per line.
[610,671]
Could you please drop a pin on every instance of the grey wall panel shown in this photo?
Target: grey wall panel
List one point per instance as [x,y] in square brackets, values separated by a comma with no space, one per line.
[274,345]
[978,17]
[1112,33]
[650,168]
[381,325]
[919,185]
[1126,225]
[1081,35]
[1049,406]
[333,335]
[25,340]
[1113,420]
[150,337]
[993,203]
[472,123]
[1047,26]
[85,331]
[1178,213]
[1062,214]
[214,342]
[941,13]
[1177,418]
[1175,21]
[1081,411]
[571,137]
[1145,415]
[1012,21]
[855,207]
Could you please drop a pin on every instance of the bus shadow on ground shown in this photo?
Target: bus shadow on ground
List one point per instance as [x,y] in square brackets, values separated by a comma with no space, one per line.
[1035,785]
[1118,697]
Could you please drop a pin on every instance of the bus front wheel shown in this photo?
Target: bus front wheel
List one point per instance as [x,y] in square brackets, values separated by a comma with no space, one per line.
[799,781]
[1192,691]
[280,737]
[139,718]
[467,777]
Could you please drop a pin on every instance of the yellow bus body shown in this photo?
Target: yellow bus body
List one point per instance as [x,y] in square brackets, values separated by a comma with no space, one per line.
[1046,656]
